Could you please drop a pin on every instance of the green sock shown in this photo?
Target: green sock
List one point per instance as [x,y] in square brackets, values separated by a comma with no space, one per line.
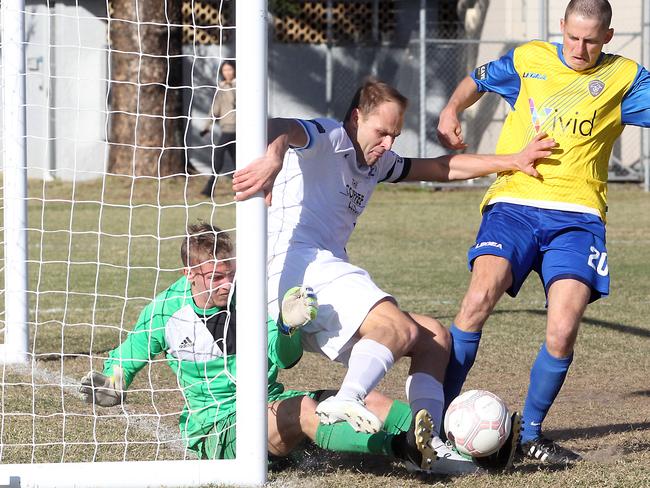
[341,437]
[398,419]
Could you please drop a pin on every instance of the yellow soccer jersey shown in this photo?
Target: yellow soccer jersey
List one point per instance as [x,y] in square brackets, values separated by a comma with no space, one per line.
[581,110]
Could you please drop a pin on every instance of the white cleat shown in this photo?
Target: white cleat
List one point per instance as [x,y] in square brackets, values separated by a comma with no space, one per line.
[449,461]
[355,413]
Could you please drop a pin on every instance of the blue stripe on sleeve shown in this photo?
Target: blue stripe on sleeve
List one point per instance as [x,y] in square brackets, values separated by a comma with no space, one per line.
[310,137]
[500,77]
[635,108]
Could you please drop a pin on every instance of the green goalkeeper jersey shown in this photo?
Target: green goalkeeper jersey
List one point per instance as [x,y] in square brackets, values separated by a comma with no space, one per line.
[204,364]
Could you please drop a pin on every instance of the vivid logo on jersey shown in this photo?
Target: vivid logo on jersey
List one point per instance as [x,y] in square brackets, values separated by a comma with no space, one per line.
[566,124]
[536,76]
[538,117]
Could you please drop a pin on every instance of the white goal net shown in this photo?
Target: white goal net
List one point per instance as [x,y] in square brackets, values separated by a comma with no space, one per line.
[110,136]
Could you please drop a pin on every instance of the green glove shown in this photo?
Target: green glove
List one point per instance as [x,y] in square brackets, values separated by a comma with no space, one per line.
[103,390]
[299,307]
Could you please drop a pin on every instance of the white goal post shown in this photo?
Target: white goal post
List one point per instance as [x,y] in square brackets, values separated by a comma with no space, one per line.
[36,311]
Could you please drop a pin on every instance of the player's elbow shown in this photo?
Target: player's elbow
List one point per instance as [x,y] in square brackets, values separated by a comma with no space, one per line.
[290,363]
[452,176]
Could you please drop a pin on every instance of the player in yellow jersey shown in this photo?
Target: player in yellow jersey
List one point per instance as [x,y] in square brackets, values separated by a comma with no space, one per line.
[553,224]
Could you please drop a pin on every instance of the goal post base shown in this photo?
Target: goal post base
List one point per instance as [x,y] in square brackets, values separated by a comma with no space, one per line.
[9,355]
[131,474]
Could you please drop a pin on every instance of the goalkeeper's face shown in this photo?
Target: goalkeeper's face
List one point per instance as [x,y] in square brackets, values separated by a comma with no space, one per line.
[211,282]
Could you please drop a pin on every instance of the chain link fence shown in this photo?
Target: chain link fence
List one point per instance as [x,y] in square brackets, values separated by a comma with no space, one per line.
[425,49]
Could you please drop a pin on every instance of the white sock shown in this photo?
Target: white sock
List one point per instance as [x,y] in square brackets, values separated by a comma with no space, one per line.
[369,361]
[424,391]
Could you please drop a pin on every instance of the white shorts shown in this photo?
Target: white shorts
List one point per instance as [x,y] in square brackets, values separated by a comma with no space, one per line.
[345,292]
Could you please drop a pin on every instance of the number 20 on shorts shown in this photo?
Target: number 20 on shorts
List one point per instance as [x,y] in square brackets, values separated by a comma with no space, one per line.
[598,261]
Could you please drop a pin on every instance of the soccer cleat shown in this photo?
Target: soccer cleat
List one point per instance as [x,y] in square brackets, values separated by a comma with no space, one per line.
[432,455]
[414,447]
[449,461]
[502,459]
[548,451]
[354,412]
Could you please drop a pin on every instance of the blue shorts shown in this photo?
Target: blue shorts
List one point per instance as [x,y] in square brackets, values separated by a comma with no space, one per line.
[554,243]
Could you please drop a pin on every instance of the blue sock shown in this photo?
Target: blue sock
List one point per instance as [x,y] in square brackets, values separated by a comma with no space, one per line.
[464,346]
[546,378]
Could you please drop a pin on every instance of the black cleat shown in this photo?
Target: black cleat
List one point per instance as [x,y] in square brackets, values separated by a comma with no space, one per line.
[502,459]
[548,451]
[415,447]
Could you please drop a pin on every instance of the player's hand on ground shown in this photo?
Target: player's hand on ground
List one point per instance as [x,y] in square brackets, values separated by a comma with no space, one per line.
[299,307]
[103,390]
[450,132]
[539,148]
[257,176]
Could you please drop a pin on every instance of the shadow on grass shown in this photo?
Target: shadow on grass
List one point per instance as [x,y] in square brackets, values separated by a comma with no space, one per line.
[309,458]
[645,393]
[625,329]
[597,430]
[312,459]
[71,355]
[535,467]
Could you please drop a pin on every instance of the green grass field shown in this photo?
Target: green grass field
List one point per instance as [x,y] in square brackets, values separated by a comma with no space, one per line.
[412,241]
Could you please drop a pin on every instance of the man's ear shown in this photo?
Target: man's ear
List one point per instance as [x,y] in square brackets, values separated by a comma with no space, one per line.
[187,271]
[354,118]
[609,35]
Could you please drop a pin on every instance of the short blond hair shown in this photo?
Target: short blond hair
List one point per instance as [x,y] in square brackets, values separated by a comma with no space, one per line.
[203,242]
[591,9]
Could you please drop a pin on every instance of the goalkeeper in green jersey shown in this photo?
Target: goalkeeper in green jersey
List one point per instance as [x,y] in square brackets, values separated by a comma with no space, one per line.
[194,325]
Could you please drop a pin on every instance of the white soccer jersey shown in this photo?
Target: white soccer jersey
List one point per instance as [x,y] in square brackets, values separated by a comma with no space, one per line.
[321,190]
[317,198]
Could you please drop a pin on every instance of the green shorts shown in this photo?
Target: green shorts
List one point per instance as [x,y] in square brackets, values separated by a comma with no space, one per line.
[220,442]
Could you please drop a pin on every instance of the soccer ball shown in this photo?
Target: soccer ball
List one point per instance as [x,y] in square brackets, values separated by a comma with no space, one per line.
[477,423]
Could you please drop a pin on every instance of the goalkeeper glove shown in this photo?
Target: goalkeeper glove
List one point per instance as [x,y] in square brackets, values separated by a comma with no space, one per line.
[299,307]
[102,390]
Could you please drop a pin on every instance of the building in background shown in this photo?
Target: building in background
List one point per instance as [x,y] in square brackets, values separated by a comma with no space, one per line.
[319,52]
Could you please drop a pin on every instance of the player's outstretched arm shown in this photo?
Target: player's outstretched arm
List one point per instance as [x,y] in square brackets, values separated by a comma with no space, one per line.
[467,166]
[449,130]
[260,174]
[102,390]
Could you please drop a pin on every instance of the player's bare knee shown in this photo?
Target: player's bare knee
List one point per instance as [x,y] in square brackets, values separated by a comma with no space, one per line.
[378,404]
[306,424]
[410,334]
[432,334]
[307,406]
[443,339]
[560,345]
[399,335]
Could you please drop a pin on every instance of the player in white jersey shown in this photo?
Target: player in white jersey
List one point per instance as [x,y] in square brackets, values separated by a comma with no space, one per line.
[320,174]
